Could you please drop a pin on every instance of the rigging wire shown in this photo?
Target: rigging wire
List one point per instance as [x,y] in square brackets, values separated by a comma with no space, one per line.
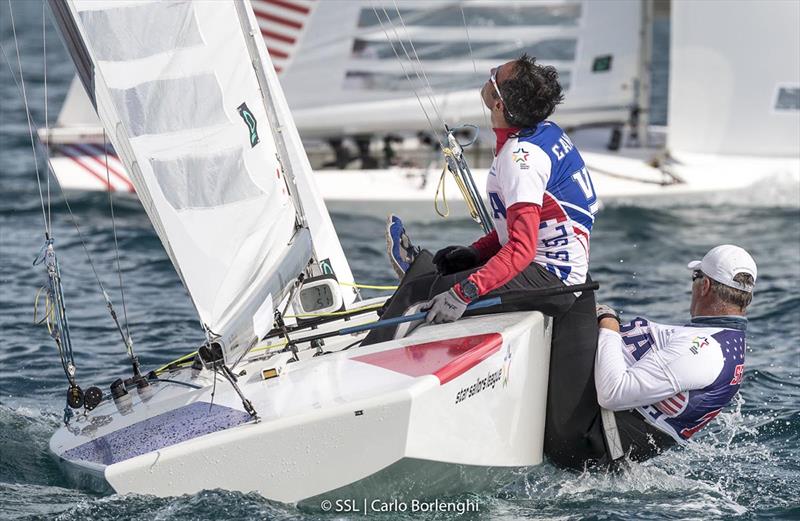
[410,82]
[19,82]
[46,115]
[28,114]
[127,338]
[419,68]
[474,65]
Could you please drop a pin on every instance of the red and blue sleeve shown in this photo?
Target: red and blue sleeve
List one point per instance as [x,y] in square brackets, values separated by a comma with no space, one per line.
[515,255]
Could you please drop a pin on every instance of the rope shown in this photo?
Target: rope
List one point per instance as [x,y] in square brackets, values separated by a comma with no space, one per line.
[176,363]
[20,84]
[468,200]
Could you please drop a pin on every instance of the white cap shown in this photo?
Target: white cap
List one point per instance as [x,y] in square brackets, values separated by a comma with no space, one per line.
[722,263]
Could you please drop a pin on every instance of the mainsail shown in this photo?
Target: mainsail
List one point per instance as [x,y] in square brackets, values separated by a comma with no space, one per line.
[186,94]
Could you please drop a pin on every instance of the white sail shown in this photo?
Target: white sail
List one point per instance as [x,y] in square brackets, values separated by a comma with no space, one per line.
[727,95]
[344,77]
[175,86]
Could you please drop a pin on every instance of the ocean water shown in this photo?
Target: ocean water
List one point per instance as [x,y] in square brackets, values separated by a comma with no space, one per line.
[746,464]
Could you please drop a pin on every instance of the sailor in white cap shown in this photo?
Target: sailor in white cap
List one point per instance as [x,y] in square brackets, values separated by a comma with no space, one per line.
[664,383]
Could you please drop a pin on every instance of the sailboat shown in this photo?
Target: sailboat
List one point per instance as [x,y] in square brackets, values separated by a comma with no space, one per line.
[348,49]
[280,399]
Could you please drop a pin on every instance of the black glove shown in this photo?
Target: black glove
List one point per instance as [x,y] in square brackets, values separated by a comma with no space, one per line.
[455,258]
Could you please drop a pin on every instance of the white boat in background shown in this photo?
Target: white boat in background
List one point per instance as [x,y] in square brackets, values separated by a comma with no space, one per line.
[269,403]
[728,128]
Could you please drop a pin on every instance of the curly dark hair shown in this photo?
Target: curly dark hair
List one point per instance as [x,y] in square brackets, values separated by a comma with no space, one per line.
[531,94]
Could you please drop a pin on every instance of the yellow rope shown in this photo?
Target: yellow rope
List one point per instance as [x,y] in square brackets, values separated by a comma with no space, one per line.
[191,355]
[473,210]
[268,347]
[335,313]
[49,310]
[441,185]
[184,357]
[367,286]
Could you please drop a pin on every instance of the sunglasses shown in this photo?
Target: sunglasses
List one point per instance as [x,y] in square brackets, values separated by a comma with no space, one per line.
[493,78]
[697,274]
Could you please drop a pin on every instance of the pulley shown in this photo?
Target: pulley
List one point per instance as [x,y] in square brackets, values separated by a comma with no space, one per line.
[92,398]
[75,397]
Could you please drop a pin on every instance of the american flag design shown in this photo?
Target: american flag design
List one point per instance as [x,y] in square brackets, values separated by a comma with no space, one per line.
[282,24]
[674,405]
[685,413]
[99,163]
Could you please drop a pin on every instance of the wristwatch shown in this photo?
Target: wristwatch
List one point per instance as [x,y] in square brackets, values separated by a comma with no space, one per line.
[469,289]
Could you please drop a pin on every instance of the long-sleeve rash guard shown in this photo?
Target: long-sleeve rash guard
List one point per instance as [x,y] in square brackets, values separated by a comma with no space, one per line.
[543,204]
[677,377]
[506,262]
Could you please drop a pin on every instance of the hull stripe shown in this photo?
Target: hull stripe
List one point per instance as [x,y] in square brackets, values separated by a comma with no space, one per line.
[445,359]
[95,153]
[94,174]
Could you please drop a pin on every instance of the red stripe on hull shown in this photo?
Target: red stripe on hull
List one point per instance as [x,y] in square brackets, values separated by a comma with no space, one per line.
[288,5]
[277,36]
[277,53]
[101,161]
[92,172]
[445,359]
[277,19]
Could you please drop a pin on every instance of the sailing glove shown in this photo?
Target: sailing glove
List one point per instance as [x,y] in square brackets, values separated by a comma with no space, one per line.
[444,307]
[456,258]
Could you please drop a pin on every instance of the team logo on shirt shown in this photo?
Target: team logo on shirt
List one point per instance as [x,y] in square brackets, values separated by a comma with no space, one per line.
[520,156]
[698,343]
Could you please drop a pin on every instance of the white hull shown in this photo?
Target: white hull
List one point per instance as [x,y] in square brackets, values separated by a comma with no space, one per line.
[379,421]
[410,191]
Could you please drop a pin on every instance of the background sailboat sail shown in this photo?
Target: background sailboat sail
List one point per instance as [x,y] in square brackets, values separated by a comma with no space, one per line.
[345,77]
[175,87]
[726,95]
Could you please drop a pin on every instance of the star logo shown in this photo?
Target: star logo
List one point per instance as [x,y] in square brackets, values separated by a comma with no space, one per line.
[698,343]
[520,155]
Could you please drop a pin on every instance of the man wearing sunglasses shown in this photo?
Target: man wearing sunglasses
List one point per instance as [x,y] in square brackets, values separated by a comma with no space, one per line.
[667,382]
[543,203]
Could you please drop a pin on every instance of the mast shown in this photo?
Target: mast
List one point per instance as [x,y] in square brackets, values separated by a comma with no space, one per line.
[251,37]
[645,69]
